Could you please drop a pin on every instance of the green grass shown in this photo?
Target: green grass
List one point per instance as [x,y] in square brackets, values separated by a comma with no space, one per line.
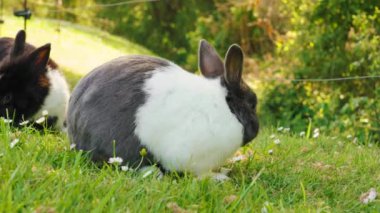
[324,174]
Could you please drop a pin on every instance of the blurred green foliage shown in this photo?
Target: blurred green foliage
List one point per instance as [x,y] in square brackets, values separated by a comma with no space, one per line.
[333,39]
[172,29]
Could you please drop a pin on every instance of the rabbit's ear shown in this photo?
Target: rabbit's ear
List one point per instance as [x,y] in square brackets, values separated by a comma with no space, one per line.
[39,58]
[210,63]
[234,65]
[19,44]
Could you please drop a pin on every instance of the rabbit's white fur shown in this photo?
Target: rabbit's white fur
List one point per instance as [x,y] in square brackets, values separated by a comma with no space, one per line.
[186,122]
[57,99]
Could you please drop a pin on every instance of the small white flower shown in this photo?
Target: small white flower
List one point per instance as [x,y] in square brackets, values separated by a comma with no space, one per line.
[316,130]
[280,128]
[272,136]
[40,120]
[115,160]
[316,135]
[287,129]
[277,141]
[124,168]
[264,209]
[7,121]
[355,140]
[302,134]
[368,196]
[14,143]
[349,136]
[45,112]
[24,123]
[270,151]
[72,146]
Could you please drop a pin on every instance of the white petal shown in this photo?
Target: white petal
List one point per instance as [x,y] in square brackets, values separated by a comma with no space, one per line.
[277,141]
[45,112]
[14,142]
[72,146]
[24,123]
[124,168]
[7,121]
[115,160]
[316,135]
[40,120]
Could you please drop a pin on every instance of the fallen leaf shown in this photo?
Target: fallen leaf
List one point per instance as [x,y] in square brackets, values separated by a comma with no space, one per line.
[369,196]
[45,209]
[34,169]
[321,165]
[175,208]
[305,149]
[229,199]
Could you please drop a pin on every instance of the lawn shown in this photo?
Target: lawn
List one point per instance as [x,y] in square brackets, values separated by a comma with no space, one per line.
[41,173]
[74,47]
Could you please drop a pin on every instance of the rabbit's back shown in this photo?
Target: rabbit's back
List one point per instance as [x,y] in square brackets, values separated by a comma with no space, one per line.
[103,106]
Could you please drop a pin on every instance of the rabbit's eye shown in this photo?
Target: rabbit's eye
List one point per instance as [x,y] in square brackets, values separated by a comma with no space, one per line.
[6,99]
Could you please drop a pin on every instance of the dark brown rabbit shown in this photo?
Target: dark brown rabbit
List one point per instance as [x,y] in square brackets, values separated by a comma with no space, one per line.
[30,83]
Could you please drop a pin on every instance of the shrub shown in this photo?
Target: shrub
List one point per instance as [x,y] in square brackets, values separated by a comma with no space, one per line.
[339,40]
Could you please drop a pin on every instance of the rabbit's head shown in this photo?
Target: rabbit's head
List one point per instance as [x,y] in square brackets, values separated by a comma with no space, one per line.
[23,81]
[241,99]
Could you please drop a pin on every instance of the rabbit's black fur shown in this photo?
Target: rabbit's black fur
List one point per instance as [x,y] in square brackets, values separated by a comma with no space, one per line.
[24,81]
[98,93]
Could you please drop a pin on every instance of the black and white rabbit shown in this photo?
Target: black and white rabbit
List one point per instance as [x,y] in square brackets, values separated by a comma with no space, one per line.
[186,122]
[30,83]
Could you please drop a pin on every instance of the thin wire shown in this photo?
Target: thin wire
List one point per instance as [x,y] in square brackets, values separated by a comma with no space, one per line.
[95,5]
[322,79]
[121,3]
